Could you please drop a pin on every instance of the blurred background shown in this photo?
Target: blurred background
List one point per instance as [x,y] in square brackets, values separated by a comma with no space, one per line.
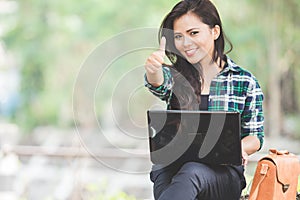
[72,101]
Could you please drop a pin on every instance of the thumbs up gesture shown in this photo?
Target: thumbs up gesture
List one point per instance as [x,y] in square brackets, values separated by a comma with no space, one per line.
[154,64]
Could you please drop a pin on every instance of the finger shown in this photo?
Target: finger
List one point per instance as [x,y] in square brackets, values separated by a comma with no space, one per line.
[158,57]
[162,45]
[245,162]
[150,69]
[155,63]
[245,159]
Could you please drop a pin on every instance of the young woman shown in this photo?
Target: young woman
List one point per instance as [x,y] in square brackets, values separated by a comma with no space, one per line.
[202,77]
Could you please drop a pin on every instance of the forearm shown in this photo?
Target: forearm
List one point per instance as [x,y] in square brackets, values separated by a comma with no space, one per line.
[250,144]
[154,64]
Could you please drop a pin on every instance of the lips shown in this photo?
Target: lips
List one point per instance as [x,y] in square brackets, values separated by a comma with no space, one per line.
[190,52]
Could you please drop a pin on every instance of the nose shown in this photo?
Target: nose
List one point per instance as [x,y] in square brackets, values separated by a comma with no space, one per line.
[187,41]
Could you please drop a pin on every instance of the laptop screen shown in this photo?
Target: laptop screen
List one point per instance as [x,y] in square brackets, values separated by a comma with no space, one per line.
[199,136]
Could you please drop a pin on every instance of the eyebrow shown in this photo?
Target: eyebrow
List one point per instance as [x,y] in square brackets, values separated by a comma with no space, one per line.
[189,30]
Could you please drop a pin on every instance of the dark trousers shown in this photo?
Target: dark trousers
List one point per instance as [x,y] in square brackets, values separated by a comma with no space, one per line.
[193,181]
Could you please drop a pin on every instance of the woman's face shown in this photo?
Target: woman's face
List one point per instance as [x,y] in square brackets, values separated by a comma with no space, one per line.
[194,39]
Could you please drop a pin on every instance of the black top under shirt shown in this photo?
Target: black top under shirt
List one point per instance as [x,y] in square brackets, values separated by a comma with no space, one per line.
[204,97]
[239,169]
[204,102]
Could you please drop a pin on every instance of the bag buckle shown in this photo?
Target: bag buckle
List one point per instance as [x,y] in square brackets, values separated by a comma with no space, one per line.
[264,169]
[285,187]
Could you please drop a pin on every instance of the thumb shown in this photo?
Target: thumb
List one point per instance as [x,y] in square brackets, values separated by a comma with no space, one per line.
[162,45]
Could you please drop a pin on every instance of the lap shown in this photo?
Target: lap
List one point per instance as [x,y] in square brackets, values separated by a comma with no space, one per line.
[162,177]
[222,180]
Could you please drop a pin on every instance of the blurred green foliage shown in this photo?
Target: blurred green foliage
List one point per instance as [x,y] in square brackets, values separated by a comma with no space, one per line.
[51,39]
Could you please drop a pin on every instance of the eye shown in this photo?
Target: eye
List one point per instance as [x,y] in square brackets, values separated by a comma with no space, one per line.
[194,32]
[177,37]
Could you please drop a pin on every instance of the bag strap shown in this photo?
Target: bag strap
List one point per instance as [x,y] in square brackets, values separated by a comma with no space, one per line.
[263,173]
[278,152]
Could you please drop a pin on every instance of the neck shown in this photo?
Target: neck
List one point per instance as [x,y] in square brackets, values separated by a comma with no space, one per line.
[209,71]
[212,67]
[207,62]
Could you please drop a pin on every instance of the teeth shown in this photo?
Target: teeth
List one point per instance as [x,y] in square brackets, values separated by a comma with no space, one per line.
[190,52]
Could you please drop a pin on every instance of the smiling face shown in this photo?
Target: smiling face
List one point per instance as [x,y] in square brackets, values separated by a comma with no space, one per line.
[194,39]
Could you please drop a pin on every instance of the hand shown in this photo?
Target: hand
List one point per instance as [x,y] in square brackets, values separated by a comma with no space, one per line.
[156,59]
[245,158]
[250,144]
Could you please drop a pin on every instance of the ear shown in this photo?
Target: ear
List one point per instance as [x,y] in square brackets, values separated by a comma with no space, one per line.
[216,31]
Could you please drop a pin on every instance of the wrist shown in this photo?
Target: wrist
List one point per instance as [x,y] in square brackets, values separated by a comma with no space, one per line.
[155,79]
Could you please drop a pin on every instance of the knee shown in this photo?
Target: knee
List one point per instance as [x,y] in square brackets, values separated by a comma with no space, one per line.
[192,169]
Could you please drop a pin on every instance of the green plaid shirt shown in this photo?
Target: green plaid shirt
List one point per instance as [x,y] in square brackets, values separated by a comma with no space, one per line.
[233,89]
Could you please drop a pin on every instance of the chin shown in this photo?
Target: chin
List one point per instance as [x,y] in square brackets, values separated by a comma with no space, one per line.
[193,61]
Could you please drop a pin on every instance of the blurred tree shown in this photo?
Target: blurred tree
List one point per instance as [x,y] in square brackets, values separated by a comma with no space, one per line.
[28,40]
[281,33]
[265,35]
[50,39]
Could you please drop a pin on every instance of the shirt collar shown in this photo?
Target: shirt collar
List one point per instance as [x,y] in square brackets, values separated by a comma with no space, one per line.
[231,66]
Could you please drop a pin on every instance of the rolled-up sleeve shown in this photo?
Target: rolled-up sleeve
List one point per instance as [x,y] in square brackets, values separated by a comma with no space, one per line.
[252,116]
[164,91]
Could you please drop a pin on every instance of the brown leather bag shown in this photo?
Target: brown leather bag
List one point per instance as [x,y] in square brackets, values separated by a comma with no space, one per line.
[276,177]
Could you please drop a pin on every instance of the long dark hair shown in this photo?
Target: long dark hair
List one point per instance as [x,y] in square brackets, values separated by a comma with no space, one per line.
[188,77]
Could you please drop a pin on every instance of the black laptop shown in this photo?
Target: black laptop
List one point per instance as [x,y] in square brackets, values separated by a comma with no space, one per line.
[199,136]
